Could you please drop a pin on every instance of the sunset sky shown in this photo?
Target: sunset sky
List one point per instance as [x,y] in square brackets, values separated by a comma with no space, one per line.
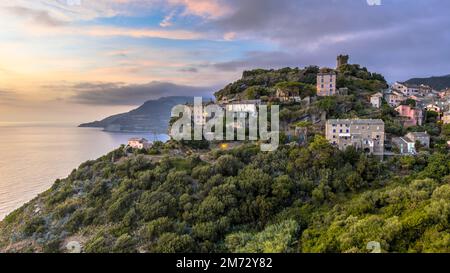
[77,60]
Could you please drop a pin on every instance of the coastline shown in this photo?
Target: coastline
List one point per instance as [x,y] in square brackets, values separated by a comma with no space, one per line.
[44,152]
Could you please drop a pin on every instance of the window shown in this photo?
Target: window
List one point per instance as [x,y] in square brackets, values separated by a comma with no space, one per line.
[347,131]
[334,130]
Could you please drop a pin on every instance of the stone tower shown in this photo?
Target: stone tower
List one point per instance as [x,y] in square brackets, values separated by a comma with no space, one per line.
[342,60]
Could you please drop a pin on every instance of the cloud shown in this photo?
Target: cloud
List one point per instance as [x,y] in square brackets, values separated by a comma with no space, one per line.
[40,17]
[209,9]
[130,94]
[398,38]
[167,21]
[7,97]
[258,59]
[189,69]
[118,53]
[229,36]
[111,31]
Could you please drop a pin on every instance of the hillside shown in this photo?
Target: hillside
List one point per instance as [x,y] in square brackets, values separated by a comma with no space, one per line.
[153,116]
[437,83]
[297,199]
[300,198]
[261,83]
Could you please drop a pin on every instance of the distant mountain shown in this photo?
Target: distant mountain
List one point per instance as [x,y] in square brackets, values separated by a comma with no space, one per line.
[437,83]
[153,116]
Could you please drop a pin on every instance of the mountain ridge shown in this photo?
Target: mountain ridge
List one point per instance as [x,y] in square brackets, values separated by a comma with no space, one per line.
[436,82]
[152,116]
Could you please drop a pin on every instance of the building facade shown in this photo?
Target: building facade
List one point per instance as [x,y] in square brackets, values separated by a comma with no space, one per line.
[446,118]
[422,137]
[412,89]
[394,98]
[326,83]
[139,143]
[376,100]
[363,134]
[412,116]
[405,146]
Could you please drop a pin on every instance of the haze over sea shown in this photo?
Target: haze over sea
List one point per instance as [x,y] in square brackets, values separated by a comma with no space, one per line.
[33,156]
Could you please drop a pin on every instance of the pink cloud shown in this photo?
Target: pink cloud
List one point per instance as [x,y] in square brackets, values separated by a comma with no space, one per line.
[205,8]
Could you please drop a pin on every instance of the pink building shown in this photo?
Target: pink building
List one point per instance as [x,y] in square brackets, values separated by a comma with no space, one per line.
[326,82]
[413,116]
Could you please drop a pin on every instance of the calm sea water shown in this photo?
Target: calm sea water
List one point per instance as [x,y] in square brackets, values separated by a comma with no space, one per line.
[33,156]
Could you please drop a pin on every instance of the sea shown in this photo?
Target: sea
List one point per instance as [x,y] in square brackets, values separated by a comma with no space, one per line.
[34,155]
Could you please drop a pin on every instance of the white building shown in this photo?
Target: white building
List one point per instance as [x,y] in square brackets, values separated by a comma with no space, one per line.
[139,143]
[412,89]
[376,99]
[407,144]
[422,137]
[404,145]
[242,109]
[394,98]
[326,83]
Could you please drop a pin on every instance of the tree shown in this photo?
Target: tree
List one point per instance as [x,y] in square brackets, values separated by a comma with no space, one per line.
[282,188]
[275,238]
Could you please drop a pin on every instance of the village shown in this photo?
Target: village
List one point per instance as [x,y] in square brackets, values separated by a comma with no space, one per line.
[412,103]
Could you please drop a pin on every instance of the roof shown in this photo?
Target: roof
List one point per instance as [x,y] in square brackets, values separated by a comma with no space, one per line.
[408,106]
[395,93]
[377,95]
[402,139]
[356,121]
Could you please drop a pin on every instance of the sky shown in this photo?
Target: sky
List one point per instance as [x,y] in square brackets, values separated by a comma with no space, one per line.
[82,60]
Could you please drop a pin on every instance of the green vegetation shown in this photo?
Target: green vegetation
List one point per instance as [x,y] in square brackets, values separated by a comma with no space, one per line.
[298,199]
[260,82]
[191,197]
